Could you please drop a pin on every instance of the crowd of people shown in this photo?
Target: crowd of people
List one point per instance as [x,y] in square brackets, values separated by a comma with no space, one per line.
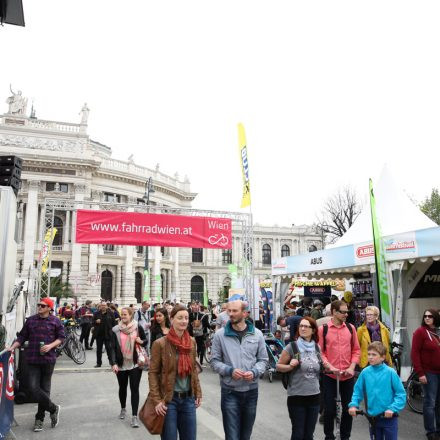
[322,351]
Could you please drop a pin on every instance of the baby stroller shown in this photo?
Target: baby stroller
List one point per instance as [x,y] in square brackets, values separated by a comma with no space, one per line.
[274,348]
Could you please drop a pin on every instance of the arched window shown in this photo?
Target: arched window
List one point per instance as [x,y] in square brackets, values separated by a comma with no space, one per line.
[285,250]
[267,254]
[197,288]
[197,255]
[58,239]
[312,248]
[106,285]
[138,286]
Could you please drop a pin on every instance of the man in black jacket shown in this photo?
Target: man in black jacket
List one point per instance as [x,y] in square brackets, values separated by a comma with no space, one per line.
[103,322]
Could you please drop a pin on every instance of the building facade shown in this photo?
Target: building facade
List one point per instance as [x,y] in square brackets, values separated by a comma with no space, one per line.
[61,161]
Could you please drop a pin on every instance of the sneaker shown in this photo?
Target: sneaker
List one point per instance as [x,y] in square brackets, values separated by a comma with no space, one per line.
[38,426]
[97,366]
[122,415]
[55,417]
[134,422]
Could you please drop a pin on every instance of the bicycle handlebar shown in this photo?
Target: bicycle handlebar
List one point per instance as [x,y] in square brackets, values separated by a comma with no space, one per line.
[396,345]
[359,412]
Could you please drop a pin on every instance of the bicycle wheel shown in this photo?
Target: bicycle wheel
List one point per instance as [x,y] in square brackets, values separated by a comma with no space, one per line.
[396,365]
[77,352]
[77,330]
[208,353]
[414,394]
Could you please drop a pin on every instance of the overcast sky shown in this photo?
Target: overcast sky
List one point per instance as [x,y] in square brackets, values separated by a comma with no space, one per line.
[328,91]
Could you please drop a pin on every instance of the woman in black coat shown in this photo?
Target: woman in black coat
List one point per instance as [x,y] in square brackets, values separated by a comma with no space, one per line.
[127,338]
[160,326]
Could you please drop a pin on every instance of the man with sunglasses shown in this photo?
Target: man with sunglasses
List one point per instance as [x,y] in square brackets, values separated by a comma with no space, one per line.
[340,353]
[44,332]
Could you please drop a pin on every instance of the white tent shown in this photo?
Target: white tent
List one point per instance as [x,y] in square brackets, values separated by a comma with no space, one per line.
[396,214]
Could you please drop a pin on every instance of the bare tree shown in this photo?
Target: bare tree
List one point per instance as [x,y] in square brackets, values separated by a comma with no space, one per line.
[338,213]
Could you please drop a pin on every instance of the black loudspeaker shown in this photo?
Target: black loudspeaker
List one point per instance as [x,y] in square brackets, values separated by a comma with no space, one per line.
[10,172]
[12,161]
[11,12]
[7,171]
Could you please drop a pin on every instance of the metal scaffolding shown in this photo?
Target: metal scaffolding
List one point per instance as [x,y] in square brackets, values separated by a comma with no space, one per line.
[240,221]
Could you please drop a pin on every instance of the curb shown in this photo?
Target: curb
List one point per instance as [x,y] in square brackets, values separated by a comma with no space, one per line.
[82,370]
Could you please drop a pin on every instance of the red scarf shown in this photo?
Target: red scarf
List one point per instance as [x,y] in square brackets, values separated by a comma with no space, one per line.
[183,346]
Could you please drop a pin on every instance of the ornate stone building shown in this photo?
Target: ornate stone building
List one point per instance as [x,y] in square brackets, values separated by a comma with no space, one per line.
[62,161]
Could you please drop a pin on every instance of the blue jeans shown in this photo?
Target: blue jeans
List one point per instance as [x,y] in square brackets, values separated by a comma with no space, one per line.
[181,417]
[303,419]
[385,429]
[239,410]
[431,403]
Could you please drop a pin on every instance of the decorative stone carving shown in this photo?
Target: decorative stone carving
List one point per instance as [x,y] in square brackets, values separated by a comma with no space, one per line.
[17,103]
[80,188]
[40,143]
[34,185]
[96,194]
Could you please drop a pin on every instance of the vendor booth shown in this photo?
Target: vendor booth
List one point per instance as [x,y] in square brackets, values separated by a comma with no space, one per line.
[412,253]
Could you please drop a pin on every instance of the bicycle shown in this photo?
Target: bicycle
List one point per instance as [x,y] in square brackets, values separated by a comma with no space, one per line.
[397,350]
[208,346]
[71,346]
[414,393]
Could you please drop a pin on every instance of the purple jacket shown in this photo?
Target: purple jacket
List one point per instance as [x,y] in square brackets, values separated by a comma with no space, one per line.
[36,330]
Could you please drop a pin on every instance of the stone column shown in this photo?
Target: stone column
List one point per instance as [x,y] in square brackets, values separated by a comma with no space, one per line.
[118,285]
[156,283]
[30,230]
[66,232]
[175,285]
[128,285]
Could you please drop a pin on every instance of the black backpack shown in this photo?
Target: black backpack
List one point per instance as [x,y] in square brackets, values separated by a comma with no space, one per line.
[286,376]
[325,331]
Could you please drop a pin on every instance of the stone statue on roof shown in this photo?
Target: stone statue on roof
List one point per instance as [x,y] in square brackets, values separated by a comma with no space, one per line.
[84,114]
[17,103]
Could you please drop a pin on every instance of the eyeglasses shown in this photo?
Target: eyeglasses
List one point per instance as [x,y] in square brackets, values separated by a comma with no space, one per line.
[370,314]
[42,305]
[343,312]
[428,316]
[305,326]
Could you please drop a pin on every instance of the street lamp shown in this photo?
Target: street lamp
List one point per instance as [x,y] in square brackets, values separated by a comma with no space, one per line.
[146,198]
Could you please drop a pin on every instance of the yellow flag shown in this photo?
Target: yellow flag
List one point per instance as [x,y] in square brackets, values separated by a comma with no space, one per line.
[45,251]
[246,199]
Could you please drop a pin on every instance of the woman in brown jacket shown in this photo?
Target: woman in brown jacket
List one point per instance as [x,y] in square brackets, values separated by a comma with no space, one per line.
[173,378]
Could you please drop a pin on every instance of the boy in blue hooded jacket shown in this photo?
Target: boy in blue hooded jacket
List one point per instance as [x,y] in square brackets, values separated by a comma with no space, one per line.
[385,395]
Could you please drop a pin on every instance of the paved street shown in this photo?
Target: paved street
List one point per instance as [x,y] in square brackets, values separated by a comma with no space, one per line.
[90,406]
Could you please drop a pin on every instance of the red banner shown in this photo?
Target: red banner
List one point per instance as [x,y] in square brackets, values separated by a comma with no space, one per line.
[138,229]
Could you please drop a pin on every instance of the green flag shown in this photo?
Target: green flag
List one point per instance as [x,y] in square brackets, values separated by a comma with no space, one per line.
[381,270]
[205,298]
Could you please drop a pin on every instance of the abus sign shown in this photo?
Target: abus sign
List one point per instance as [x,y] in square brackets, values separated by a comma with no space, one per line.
[138,229]
[365,251]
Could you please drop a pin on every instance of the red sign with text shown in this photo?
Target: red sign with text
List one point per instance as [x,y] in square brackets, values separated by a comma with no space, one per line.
[139,229]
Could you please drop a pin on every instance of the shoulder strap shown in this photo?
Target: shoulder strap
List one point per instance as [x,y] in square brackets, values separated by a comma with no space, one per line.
[350,329]
[324,334]
[294,347]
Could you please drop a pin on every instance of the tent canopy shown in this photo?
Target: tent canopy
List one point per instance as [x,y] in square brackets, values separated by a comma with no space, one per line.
[407,233]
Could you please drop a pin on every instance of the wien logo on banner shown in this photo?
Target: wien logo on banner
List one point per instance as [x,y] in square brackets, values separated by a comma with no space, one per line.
[6,393]
[139,229]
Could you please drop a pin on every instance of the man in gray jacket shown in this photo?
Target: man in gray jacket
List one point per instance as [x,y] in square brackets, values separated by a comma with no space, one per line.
[239,356]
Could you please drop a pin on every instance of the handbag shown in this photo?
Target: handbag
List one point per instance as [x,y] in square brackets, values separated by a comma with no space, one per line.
[143,360]
[148,416]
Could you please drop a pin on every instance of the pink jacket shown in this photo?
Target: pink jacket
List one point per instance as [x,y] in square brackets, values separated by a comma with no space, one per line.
[342,347]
